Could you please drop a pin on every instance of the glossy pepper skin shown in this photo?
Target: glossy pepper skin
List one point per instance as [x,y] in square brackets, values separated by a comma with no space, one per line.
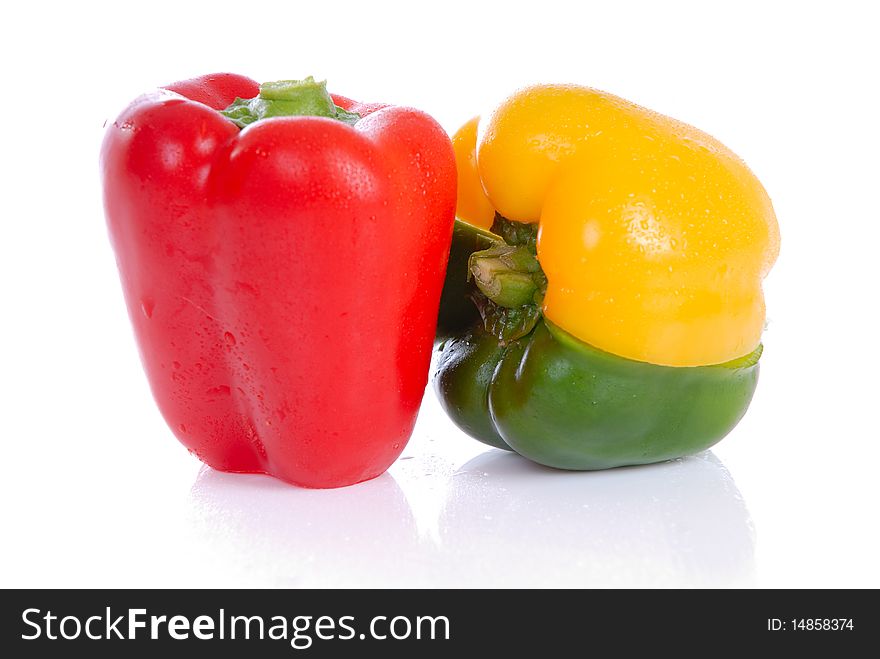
[283,280]
[621,305]
[562,403]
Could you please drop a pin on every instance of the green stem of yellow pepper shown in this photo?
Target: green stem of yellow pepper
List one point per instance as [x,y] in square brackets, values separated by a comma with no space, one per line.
[508,275]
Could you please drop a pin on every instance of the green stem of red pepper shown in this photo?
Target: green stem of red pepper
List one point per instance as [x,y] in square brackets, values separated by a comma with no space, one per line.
[288,98]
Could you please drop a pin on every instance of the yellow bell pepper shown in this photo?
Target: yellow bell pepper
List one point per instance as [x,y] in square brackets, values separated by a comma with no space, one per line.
[654,237]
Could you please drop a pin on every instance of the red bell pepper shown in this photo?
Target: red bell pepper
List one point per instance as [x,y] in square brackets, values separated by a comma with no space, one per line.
[283,280]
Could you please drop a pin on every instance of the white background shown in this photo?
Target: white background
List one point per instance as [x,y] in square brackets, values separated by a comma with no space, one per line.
[96,491]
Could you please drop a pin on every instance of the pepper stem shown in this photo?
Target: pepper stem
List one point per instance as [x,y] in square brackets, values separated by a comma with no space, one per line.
[509,275]
[310,94]
[288,98]
[510,283]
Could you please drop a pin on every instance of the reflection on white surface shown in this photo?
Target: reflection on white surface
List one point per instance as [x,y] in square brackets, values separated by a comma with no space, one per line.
[267,533]
[501,521]
[680,523]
